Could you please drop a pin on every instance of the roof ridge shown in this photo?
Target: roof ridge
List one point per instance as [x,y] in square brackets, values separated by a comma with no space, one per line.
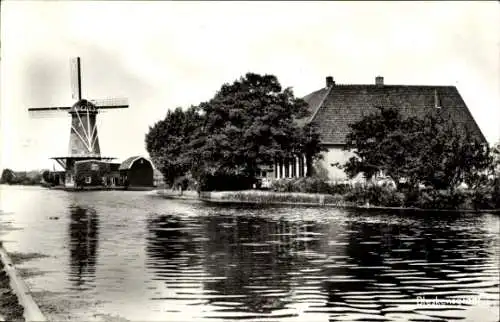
[391,85]
[320,103]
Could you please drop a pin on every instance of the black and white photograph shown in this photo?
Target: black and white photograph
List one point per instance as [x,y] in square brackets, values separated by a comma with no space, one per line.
[254,161]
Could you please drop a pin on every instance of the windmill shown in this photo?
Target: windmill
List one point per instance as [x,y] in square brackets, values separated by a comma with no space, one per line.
[83,137]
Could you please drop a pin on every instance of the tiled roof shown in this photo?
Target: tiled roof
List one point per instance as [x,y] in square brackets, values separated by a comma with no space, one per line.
[314,100]
[347,104]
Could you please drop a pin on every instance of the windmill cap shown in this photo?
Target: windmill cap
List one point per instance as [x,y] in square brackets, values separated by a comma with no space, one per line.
[83,106]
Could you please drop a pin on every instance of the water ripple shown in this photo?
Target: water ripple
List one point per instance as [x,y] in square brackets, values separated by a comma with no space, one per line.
[156,259]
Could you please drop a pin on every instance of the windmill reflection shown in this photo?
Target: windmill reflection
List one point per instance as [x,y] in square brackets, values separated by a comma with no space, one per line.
[84,235]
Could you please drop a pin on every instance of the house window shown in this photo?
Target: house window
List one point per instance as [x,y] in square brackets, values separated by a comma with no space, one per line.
[88,180]
[437,101]
[94,167]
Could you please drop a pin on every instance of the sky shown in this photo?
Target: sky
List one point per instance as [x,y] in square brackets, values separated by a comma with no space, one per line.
[161,55]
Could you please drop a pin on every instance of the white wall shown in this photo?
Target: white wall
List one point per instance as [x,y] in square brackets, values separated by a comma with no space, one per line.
[333,155]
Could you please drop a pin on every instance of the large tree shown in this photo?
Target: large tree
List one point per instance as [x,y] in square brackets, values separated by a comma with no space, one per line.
[247,124]
[429,150]
[450,154]
[253,122]
[8,176]
[383,143]
[167,142]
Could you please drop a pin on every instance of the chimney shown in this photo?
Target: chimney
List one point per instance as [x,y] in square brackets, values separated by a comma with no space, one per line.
[329,81]
[379,81]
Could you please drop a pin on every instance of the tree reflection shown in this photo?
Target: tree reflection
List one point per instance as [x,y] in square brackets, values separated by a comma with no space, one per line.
[257,257]
[403,253]
[84,235]
[255,264]
[168,241]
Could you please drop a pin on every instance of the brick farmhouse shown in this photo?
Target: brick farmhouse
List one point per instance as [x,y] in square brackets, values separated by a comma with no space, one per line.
[336,106]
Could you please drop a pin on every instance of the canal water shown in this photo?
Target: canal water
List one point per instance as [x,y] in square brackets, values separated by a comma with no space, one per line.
[118,256]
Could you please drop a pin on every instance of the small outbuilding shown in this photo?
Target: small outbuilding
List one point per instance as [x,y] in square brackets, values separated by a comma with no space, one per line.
[137,171]
[96,173]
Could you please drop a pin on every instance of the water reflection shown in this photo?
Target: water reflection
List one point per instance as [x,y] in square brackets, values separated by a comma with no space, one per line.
[170,241]
[84,237]
[254,264]
[257,267]
[165,260]
[391,265]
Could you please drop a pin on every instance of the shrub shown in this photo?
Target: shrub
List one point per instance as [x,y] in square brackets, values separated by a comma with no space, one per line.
[308,185]
[482,198]
[444,199]
[335,199]
[439,199]
[418,199]
[311,185]
[375,195]
[225,182]
[340,188]
[487,196]
[496,193]
[267,197]
[284,185]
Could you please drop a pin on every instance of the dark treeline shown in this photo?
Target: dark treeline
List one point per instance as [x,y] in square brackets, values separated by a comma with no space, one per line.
[33,177]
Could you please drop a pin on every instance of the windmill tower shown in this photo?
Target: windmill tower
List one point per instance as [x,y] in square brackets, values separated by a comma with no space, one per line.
[83,136]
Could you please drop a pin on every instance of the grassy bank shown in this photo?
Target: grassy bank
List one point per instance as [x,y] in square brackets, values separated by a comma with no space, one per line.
[259,197]
[313,191]
[385,195]
[10,309]
[177,194]
[269,197]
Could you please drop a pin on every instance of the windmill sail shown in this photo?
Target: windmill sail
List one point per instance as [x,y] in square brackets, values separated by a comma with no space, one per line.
[75,76]
[110,103]
[83,139]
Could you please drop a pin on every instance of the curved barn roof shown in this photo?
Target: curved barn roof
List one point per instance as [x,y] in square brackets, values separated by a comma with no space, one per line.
[127,164]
